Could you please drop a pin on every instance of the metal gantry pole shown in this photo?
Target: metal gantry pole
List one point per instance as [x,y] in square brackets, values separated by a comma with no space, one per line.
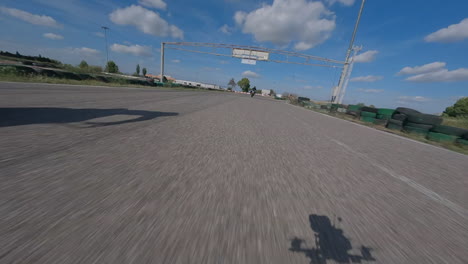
[348,75]
[337,89]
[162,62]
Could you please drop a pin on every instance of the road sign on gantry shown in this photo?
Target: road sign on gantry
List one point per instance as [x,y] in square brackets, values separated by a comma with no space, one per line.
[250,54]
[249,61]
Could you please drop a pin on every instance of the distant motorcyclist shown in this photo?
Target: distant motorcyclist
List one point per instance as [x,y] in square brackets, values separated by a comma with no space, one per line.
[253,91]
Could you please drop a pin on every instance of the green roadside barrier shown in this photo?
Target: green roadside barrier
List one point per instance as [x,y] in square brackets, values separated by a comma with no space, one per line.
[406,111]
[439,137]
[354,107]
[416,130]
[385,111]
[425,119]
[386,117]
[393,126]
[380,122]
[400,117]
[335,105]
[423,126]
[395,122]
[367,119]
[462,142]
[353,113]
[368,114]
[448,130]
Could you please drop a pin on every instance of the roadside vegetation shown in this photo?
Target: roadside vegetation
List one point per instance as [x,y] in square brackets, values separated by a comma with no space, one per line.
[38,69]
[461,122]
[15,67]
[457,115]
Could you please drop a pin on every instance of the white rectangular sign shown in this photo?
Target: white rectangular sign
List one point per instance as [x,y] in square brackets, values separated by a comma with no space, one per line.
[247,61]
[250,54]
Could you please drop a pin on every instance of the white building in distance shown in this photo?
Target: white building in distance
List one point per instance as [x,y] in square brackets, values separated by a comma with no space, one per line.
[197,84]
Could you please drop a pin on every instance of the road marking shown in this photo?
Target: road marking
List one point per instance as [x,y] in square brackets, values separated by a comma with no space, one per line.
[429,193]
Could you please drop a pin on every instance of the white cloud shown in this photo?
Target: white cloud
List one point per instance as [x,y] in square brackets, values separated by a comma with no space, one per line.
[225,29]
[52,36]
[452,33]
[369,78]
[407,99]
[84,51]
[441,76]
[370,90]
[434,72]
[99,34]
[430,67]
[250,74]
[176,61]
[154,3]
[367,56]
[136,50]
[176,32]
[343,2]
[305,23]
[40,20]
[239,17]
[145,20]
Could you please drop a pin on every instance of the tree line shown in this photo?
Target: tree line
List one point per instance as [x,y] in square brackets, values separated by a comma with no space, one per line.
[244,84]
[32,58]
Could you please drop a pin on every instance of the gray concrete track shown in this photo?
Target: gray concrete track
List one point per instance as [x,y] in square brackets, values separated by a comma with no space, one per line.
[122,175]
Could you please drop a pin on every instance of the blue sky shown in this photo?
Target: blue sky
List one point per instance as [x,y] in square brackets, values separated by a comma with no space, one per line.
[414,52]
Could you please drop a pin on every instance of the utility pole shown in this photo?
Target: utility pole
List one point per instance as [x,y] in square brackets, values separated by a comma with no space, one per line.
[105,36]
[162,62]
[337,89]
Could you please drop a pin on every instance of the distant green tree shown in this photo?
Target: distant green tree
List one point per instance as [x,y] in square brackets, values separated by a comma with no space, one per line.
[373,106]
[144,71]
[244,84]
[459,109]
[232,84]
[111,67]
[361,104]
[83,65]
[138,69]
[95,69]
[292,98]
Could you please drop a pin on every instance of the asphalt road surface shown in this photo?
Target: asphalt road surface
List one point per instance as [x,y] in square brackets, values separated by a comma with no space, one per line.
[122,175]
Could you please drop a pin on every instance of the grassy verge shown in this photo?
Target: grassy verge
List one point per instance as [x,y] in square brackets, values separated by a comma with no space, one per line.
[45,79]
[456,122]
[447,121]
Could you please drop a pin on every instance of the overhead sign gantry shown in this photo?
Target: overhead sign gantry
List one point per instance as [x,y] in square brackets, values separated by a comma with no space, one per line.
[250,55]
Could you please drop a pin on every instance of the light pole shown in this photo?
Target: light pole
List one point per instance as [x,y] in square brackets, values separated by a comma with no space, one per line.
[105,36]
[162,62]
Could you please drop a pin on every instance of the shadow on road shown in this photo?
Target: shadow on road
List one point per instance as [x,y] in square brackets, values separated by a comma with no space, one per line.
[331,244]
[52,115]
